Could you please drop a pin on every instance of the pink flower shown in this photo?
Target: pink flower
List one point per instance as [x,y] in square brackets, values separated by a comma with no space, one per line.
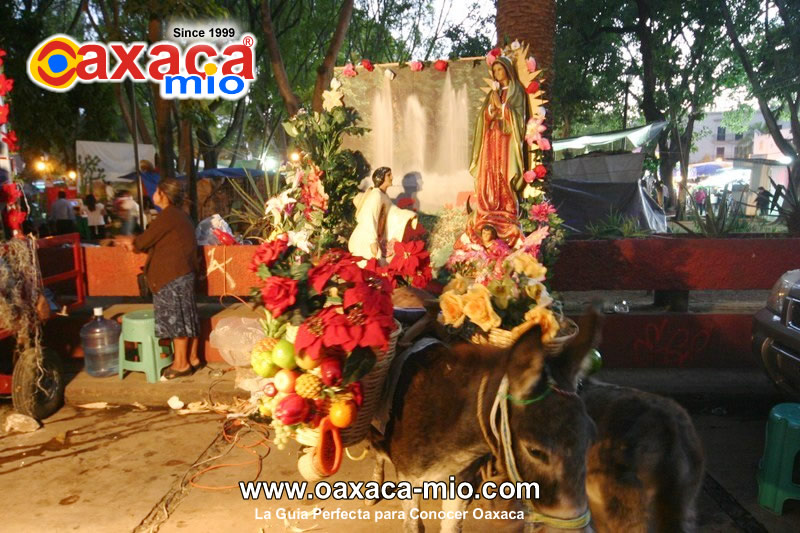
[544,144]
[416,66]
[440,65]
[541,212]
[349,71]
[541,171]
[6,84]
[490,59]
[532,87]
[531,64]
[367,64]
[529,176]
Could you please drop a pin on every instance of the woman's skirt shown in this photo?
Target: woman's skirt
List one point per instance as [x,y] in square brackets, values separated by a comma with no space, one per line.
[176,310]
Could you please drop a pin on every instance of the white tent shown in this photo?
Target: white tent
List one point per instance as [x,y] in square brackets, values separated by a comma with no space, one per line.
[116,159]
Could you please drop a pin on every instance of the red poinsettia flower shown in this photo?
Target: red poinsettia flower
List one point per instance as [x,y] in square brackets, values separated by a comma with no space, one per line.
[278,294]
[532,87]
[6,84]
[14,218]
[10,139]
[338,331]
[9,193]
[408,257]
[367,64]
[269,252]
[371,296]
[3,114]
[335,261]
[440,65]
[540,171]
[311,332]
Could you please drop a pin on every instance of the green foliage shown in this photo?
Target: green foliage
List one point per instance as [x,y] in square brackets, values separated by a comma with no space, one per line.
[787,202]
[728,217]
[616,226]
[738,120]
[319,136]
[250,219]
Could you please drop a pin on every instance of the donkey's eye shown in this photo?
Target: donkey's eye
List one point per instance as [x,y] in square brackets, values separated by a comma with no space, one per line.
[539,455]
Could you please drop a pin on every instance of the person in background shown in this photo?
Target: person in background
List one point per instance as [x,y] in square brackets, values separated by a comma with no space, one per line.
[762,201]
[129,213]
[110,194]
[96,213]
[62,214]
[700,196]
[170,271]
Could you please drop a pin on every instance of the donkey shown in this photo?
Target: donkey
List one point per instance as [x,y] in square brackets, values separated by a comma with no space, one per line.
[441,409]
[645,469]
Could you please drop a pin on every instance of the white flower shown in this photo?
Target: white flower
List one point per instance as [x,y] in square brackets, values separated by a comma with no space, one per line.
[496,85]
[389,74]
[300,240]
[532,192]
[276,206]
[515,45]
[301,111]
[335,84]
[541,111]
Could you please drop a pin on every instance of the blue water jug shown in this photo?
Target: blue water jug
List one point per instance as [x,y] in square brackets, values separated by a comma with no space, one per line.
[100,341]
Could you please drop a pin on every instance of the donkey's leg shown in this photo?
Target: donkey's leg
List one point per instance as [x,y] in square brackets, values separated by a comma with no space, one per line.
[377,475]
[412,525]
[457,507]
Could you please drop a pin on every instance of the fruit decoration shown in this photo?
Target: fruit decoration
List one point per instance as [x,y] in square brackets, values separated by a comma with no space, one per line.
[308,386]
[331,371]
[262,364]
[342,414]
[283,354]
[292,409]
[285,380]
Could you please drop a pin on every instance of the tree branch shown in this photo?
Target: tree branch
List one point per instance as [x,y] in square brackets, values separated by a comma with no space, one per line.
[325,70]
[276,61]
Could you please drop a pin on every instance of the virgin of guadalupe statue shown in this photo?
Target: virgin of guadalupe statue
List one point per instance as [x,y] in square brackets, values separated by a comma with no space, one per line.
[379,223]
[497,161]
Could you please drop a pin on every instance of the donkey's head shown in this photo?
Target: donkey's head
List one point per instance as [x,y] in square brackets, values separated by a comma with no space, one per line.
[550,429]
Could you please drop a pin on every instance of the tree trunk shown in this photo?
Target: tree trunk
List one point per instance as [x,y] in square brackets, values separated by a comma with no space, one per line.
[532,22]
[276,61]
[185,150]
[325,70]
[166,153]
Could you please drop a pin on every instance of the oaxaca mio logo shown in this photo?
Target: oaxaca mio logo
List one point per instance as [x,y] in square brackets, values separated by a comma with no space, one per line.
[200,71]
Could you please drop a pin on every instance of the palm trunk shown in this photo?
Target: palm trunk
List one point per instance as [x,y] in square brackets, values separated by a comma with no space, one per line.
[163,108]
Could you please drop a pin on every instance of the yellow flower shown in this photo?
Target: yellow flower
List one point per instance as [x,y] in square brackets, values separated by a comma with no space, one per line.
[538,293]
[458,285]
[452,309]
[526,264]
[532,192]
[501,291]
[545,319]
[478,308]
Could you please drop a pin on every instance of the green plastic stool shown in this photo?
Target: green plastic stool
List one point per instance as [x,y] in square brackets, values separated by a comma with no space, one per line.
[781,447]
[139,327]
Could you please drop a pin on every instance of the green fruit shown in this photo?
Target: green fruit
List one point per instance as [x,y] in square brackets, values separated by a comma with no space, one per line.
[596,361]
[262,364]
[283,354]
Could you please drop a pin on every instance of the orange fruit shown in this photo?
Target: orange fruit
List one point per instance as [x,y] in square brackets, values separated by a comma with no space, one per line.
[342,414]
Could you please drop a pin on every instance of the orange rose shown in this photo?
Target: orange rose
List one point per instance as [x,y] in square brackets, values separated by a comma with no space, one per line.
[545,319]
[452,309]
[478,308]
[526,264]
[458,285]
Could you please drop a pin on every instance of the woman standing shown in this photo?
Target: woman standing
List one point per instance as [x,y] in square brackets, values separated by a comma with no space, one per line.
[96,213]
[497,161]
[170,271]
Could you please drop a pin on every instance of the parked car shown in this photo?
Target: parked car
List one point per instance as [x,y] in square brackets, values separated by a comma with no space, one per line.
[776,334]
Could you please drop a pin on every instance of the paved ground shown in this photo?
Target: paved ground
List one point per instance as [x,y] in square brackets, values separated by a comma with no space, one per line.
[125,469]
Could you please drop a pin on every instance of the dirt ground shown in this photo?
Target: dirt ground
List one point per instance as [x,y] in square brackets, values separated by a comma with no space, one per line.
[125,469]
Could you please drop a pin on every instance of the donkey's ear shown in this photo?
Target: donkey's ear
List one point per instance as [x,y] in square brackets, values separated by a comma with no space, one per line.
[568,364]
[526,360]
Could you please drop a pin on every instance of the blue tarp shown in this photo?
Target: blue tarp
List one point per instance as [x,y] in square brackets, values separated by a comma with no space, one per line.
[150,179]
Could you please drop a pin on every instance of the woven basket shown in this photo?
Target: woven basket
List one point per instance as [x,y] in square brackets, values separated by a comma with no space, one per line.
[371,389]
[503,338]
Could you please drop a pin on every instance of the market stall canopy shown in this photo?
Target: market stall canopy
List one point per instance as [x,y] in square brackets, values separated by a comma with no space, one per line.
[116,159]
[587,189]
[631,138]
[150,179]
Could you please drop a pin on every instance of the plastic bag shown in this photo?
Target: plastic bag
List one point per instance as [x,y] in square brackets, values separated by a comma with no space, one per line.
[214,231]
[235,337]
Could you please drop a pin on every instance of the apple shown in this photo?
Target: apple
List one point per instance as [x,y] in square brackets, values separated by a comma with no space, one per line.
[262,364]
[292,410]
[331,371]
[283,354]
[284,380]
[306,362]
[270,390]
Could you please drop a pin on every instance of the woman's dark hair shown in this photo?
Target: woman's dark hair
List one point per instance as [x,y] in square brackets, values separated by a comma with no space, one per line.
[489,227]
[379,176]
[173,190]
[91,202]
